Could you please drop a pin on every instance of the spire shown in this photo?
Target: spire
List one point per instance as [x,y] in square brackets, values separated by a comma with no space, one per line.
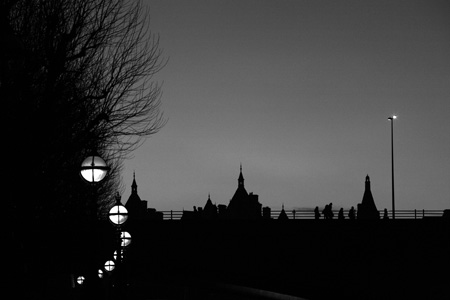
[367,208]
[283,215]
[134,185]
[208,202]
[367,183]
[241,177]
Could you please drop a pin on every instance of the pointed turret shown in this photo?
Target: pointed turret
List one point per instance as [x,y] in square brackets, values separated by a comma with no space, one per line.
[241,193]
[210,209]
[367,208]
[134,185]
[137,208]
[367,183]
[283,215]
[241,178]
[208,202]
[243,205]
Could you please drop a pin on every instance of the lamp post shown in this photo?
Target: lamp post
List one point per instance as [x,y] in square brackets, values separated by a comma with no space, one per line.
[80,280]
[118,215]
[125,239]
[93,170]
[110,265]
[392,163]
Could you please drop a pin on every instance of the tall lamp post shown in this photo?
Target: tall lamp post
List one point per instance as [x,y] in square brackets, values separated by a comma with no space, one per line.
[93,170]
[392,163]
[118,215]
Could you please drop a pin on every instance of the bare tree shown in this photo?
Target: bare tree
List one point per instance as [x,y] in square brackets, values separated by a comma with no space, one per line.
[121,57]
[105,51]
[75,76]
[78,74]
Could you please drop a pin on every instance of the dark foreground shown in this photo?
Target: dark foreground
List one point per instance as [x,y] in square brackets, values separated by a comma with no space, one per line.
[307,259]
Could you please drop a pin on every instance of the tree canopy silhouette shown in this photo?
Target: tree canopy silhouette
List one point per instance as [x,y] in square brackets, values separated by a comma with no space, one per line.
[76,76]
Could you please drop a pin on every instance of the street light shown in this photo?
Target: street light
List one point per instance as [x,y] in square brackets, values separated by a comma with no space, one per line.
[110,265]
[80,280]
[125,238]
[392,163]
[118,214]
[94,169]
[115,254]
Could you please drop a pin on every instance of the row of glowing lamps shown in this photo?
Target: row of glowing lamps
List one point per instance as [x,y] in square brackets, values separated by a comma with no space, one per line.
[93,170]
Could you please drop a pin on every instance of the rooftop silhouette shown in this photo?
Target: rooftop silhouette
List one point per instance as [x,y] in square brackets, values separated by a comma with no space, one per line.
[137,208]
[367,208]
[243,205]
[246,206]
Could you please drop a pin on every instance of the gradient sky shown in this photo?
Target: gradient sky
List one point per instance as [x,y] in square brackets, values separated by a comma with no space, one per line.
[299,92]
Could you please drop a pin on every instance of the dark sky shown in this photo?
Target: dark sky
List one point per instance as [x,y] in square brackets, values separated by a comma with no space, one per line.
[299,92]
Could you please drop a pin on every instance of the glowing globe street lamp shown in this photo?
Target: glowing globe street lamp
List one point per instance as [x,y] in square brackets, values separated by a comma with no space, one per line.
[94,169]
[115,254]
[118,214]
[110,266]
[80,280]
[125,239]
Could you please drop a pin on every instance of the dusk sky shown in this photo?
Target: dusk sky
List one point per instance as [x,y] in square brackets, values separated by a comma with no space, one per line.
[299,92]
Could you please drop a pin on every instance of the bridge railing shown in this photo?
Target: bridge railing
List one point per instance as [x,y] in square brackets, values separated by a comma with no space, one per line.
[399,214]
[304,214]
[172,214]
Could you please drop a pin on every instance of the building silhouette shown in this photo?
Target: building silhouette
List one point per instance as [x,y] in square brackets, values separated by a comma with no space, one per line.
[283,215]
[246,206]
[367,209]
[137,208]
[243,206]
[267,213]
[210,209]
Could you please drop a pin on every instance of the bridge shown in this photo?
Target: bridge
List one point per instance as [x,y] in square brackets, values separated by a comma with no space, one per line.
[306,259]
[261,259]
[308,214]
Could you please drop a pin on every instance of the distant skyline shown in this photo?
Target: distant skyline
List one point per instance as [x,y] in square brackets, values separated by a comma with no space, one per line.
[299,92]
